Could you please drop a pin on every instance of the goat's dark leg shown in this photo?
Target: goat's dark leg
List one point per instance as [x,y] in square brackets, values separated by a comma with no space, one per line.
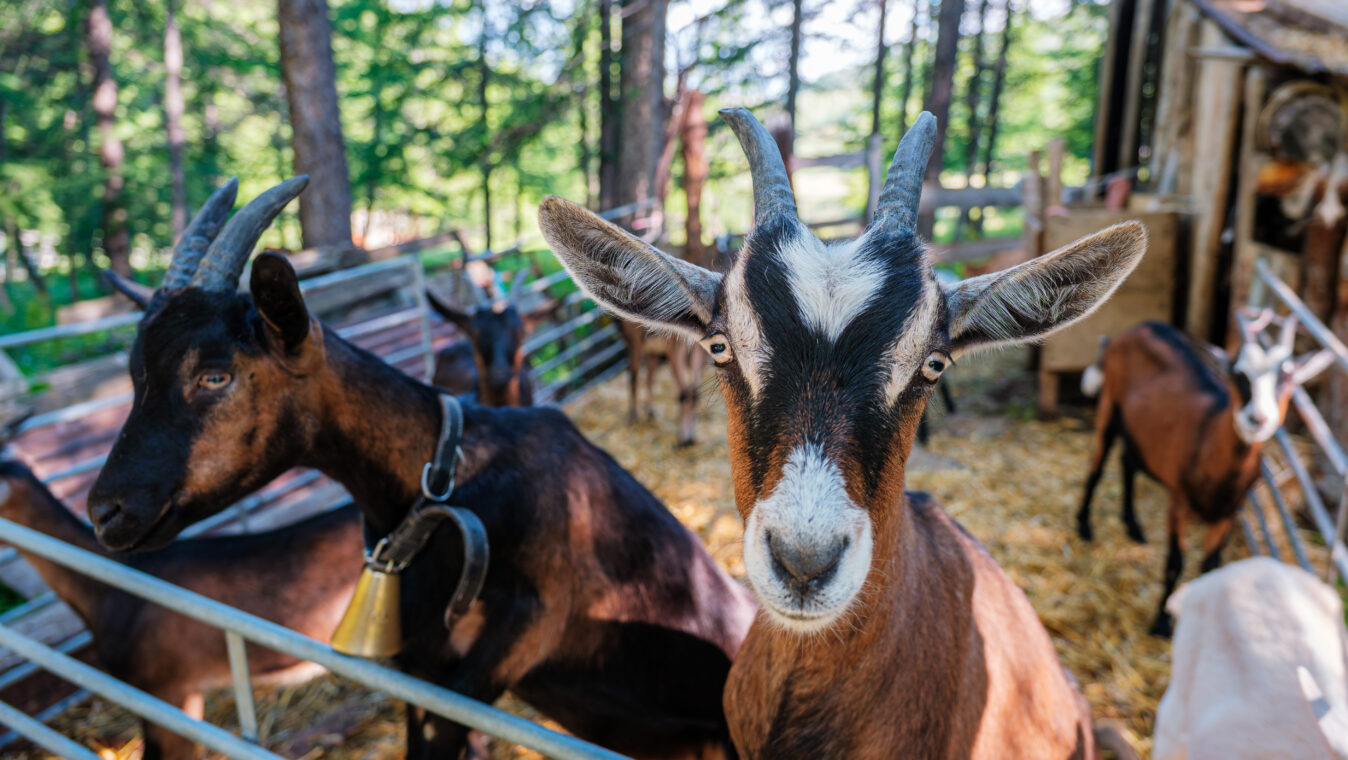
[949,400]
[652,364]
[1107,426]
[1132,462]
[1214,541]
[502,652]
[1174,565]
[159,743]
[681,367]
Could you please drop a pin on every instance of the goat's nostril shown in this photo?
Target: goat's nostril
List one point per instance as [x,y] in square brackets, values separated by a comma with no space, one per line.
[804,566]
[102,511]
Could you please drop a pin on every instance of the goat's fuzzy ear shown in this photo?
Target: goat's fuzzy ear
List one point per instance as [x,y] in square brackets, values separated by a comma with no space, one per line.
[627,276]
[276,294]
[1032,300]
[449,311]
[135,292]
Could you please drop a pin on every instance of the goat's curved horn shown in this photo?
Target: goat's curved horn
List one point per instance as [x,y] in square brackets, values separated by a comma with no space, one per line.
[224,260]
[773,197]
[517,284]
[198,236]
[899,199]
[1287,337]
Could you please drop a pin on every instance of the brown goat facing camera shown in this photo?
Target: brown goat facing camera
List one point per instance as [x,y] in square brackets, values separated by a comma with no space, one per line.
[887,631]
[1193,420]
[300,576]
[599,608]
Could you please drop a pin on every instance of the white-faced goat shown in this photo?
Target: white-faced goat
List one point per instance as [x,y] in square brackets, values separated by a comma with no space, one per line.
[599,608]
[489,360]
[300,576]
[887,630]
[1259,668]
[1194,421]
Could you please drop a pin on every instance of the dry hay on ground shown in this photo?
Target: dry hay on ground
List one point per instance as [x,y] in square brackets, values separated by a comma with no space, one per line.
[1013,481]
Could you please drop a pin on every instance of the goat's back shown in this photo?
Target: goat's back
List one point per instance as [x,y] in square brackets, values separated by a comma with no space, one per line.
[1234,691]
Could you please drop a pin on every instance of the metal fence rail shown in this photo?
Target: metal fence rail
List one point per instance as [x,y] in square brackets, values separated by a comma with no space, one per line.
[1269,290]
[438,700]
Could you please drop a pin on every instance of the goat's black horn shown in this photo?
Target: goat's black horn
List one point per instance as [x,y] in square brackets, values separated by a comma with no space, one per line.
[224,260]
[198,236]
[899,199]
[772,188]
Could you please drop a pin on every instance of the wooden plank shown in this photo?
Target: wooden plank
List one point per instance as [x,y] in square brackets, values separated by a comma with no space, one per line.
[1215,122]
[840,161]
[1147,293]
[1174,109]
[1244,250]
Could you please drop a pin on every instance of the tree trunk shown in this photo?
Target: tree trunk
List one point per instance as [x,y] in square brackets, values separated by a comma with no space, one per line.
[874,160]
[483,77]
[793,68]
[173,118]
[908,76]
[641,85]
[116,242]
[942,85]
[973,95]
[582,110]
[998,77]
[610,115]
[315,121]
[694,139]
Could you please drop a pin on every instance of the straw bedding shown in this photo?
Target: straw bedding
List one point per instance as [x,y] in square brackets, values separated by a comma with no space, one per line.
[1012,480]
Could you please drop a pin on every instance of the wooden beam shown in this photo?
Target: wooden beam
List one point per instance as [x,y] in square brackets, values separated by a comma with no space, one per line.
[1245,251]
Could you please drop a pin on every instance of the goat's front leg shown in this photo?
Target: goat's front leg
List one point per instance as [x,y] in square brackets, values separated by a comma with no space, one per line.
[1174,565]
[502,643]
[1106,430]
[160,743]
[1214,541]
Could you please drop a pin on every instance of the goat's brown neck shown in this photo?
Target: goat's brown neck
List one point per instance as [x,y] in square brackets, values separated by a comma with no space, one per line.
[32,505]
[377,428]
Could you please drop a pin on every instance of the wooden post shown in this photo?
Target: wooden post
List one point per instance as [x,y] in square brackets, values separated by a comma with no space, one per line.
[1174,107]
[1245,251]
[1032,191]
[1052,199]
[1214,128]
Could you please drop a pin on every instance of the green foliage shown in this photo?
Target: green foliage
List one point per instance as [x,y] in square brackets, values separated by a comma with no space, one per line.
[418,138]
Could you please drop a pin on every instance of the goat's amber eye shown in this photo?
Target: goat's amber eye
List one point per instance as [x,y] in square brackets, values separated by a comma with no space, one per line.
[934,365]
[214,381]
[719,348]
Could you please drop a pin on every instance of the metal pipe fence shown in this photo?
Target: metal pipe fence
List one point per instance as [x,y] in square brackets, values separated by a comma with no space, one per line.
[1270,291]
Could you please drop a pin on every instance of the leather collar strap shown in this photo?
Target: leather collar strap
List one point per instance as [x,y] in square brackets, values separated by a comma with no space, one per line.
[396,551]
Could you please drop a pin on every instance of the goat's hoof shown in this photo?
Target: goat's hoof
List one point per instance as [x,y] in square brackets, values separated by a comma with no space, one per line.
[1135,533]
[684,443]
[1085,531]
[1162,627]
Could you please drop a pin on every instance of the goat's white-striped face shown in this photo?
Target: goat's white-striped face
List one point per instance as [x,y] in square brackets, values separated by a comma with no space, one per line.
[833,351]
[1262,373]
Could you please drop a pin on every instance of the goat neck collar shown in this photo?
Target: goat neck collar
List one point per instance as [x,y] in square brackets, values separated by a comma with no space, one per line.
[393,553]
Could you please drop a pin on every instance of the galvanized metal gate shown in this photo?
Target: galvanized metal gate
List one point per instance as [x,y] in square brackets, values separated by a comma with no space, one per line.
[1291,466]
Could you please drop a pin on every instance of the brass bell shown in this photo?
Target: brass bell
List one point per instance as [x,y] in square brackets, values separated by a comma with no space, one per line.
[372,625]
